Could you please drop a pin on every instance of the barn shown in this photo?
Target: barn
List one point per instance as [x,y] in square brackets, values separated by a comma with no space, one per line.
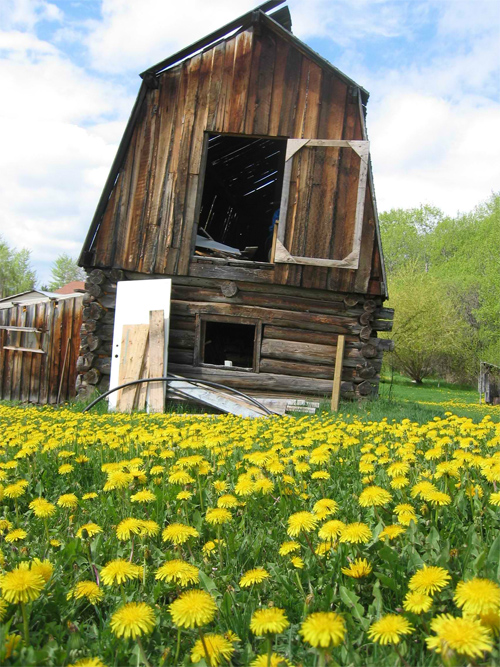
[244,175]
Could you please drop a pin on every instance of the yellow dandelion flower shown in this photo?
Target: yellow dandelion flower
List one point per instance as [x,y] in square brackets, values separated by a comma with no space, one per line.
[14,491]
[193,609]
[325,548]
[128,527]
[391,532]
[21,584]
[301,522]
[16,535]
[180,477]
[42,508]
[227,501]
[184,495]
[297,562]
[86,589]
[42,567]
[325,507]
[400,482]
[55,543]
[119,571]
[220,486]
[465,636]
[178,533]
[149,528]
[3,609]
[65,469]
[179,571]
[218,650]
[288,548]
[320,474]
[88,530]
[374,496]
[252,577]
[428,580]
[417,602]
[438,498]
[118,480]
[389,628]
[323,629]
[360,568]
[217,516]
[89,496]
[355,533]
[5,525]
[88,662]
[145,496]
[68,501]
[477,596]
[272,620]
[495,499]
[330,530]
[133,620]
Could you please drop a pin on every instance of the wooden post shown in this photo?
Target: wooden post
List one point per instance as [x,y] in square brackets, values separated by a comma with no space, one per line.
[156,359]
[273,246]
[337,377]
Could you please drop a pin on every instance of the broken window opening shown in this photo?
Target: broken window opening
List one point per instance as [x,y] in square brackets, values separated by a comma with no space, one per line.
[228,344]
[241,197]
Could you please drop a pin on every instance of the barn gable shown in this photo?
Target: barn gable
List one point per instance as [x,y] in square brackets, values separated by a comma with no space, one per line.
[259,82]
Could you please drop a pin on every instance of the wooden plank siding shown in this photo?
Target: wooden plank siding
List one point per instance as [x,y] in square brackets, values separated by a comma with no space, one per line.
[252,83]
[32,377]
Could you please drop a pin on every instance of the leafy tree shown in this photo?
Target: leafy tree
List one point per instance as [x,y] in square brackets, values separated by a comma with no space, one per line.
[406,234]
[64,270]
[427,331]
[16,273]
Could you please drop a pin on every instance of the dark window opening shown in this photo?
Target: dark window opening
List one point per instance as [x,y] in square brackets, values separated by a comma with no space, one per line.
[229,344]
[241,197]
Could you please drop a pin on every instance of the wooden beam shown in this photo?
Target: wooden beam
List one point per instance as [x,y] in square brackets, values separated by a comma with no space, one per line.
[337,377]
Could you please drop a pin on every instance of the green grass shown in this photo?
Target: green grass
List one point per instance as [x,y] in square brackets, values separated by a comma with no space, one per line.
[400,398]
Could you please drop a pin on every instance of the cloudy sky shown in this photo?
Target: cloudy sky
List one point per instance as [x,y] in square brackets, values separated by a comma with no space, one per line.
[69,75]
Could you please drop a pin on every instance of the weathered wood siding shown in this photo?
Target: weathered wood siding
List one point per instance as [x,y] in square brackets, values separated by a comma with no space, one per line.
[255,83]
[38,377]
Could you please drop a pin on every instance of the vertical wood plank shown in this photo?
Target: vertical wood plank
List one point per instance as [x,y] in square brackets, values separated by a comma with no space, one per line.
[337,376]
[133,347]
[234,120]
[156,359]
[265,81]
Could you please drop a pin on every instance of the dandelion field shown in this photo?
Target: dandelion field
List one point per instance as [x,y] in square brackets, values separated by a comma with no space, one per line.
[202,540]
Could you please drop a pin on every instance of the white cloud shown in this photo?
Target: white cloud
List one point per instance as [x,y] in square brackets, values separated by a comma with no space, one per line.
[135,35]
[428,150]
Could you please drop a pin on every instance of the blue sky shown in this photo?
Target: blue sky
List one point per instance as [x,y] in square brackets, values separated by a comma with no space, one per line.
[69,71]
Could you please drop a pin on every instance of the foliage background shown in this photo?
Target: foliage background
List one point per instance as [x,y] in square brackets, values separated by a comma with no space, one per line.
[444,284]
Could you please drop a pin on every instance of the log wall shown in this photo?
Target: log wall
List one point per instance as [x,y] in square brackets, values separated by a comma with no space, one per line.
[39,377]
[297,343]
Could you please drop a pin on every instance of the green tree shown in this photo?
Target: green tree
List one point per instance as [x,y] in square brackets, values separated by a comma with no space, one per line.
[406,235]
[64,270]
[428,334]
[16,273]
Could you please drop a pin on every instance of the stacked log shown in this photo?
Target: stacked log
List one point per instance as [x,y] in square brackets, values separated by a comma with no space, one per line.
[297,331]
[96,334]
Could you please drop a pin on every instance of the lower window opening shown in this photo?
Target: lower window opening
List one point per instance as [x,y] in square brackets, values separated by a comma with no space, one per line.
[229,344]
[241,197]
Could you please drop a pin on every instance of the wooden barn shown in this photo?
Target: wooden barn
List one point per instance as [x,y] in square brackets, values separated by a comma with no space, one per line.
[244,175]
[39,346]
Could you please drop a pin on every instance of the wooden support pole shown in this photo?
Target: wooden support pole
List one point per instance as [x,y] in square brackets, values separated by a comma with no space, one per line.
[273,246]
[338,373]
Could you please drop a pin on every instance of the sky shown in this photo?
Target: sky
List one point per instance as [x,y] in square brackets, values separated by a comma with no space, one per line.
[69,76]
